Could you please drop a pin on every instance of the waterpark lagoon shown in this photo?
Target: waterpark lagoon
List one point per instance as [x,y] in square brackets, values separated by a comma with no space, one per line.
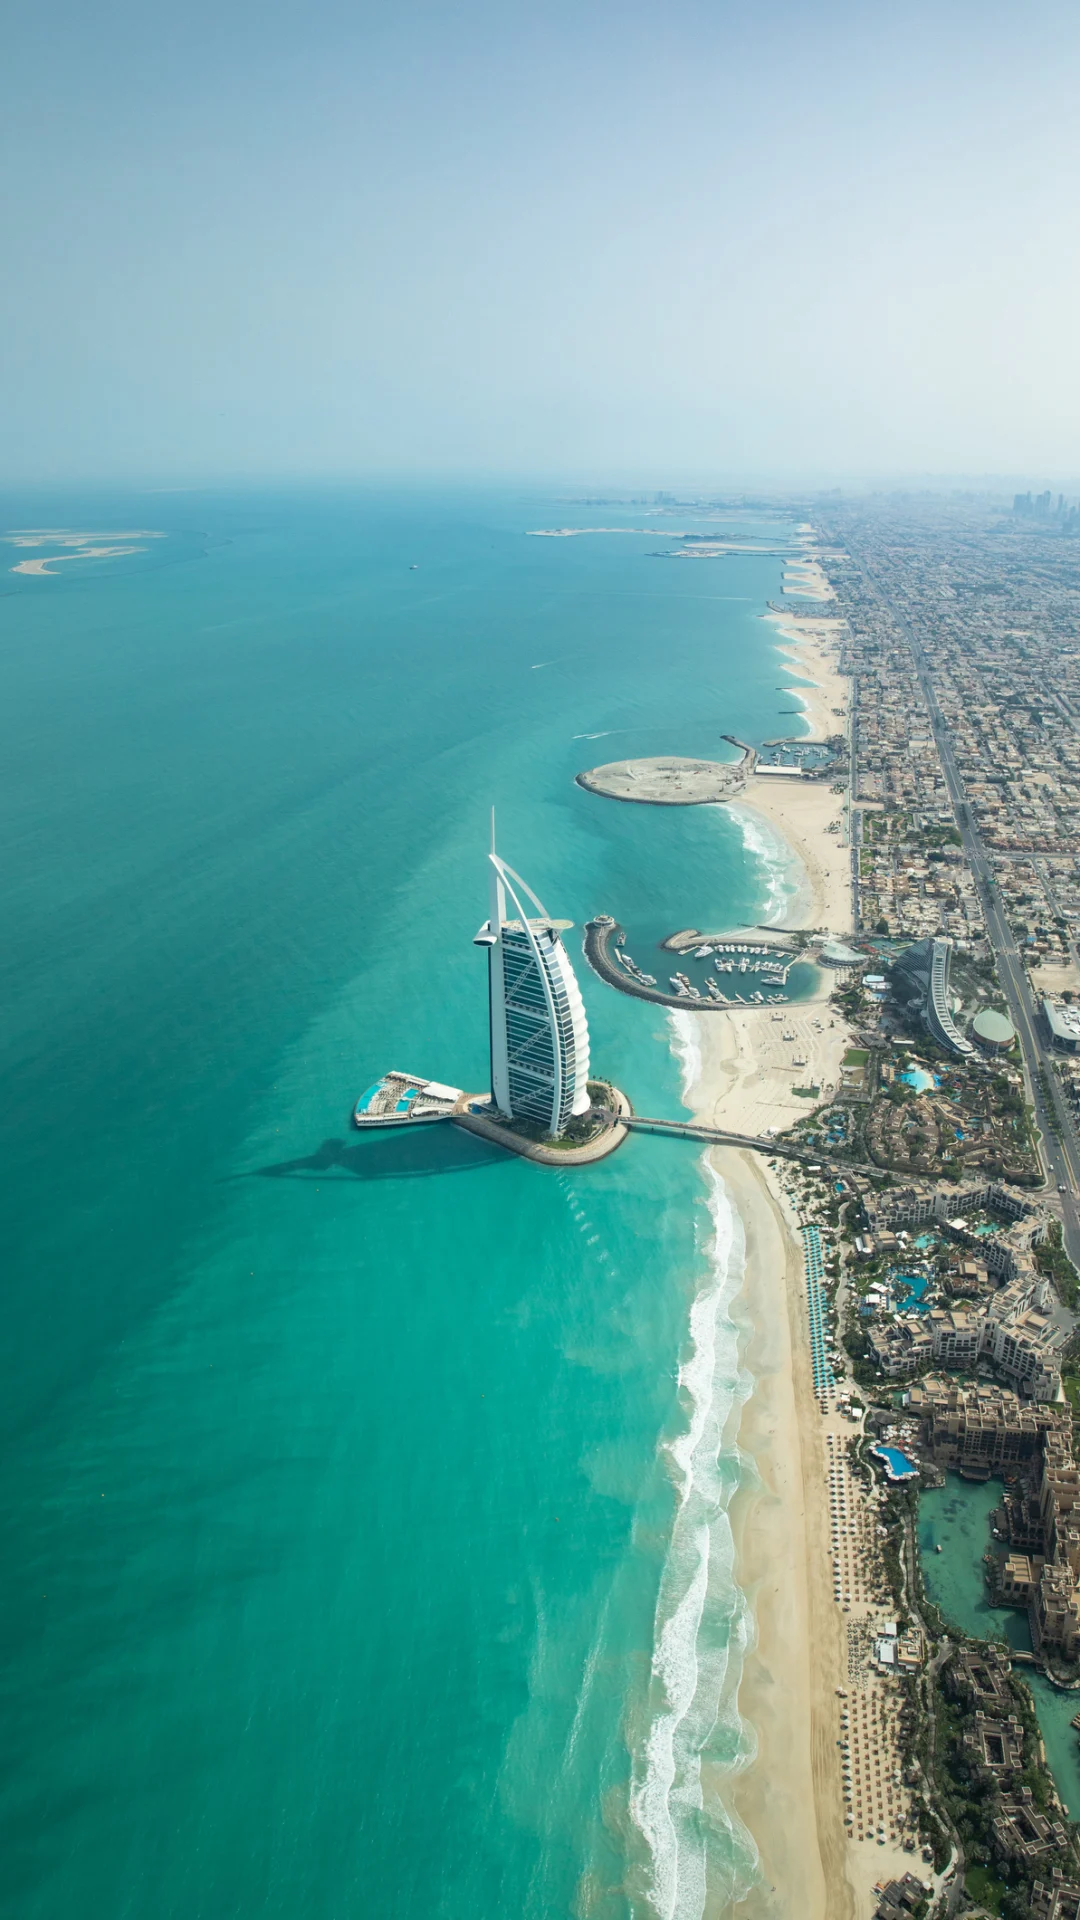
[920,1079]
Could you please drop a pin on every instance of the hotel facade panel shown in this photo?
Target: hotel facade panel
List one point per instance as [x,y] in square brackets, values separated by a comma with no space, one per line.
[539,1033]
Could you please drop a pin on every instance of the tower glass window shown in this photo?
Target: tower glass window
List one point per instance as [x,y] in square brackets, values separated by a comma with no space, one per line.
[539,1034]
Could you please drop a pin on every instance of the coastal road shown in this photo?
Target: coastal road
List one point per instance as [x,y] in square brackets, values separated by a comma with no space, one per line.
[1061,1149]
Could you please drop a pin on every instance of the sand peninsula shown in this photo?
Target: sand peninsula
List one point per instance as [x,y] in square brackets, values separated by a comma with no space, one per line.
[670,780]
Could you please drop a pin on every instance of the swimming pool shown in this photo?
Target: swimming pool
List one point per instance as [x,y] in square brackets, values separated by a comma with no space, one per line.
[918,1078]
[916,1284]
[897,1464]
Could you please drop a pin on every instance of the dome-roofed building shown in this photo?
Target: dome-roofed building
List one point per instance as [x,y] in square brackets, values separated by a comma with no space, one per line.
[835,954]
[994,1033]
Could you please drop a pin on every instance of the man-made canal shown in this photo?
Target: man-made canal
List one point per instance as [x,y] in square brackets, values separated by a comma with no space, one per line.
[956,1517]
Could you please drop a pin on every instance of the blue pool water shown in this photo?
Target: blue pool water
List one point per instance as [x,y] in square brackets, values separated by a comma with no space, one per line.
[900,1467]
[918,1078]
[917,1283]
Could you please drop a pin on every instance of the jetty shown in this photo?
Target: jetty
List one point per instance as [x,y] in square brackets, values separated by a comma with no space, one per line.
[603,932]
[778,940]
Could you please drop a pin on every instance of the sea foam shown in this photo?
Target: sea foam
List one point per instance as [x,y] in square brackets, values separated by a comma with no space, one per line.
[785,879]
[702,1625]
[687,1050]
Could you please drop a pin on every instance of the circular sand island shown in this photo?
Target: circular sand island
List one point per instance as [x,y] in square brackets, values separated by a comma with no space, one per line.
[669,781]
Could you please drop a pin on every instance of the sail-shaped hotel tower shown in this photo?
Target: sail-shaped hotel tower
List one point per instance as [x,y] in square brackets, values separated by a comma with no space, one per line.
[539,1035]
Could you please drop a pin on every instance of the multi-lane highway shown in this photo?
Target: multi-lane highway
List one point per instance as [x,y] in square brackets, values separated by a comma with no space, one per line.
[1060,1149]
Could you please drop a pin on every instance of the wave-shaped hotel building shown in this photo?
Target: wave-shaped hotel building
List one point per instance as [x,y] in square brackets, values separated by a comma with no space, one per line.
[539,1034]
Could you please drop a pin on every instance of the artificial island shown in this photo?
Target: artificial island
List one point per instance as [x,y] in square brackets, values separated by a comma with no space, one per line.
[541,1103]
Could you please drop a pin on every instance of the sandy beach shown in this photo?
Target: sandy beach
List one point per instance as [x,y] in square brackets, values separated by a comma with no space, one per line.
[813,648]
[790,1796]
[802,812]
[804,579]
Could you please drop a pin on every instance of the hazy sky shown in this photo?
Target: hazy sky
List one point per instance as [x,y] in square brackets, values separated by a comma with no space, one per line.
[592,239]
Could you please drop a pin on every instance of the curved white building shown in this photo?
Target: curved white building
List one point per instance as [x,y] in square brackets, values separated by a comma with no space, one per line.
[539,1035]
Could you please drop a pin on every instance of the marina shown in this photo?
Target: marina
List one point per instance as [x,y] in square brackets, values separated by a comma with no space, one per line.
[753,973]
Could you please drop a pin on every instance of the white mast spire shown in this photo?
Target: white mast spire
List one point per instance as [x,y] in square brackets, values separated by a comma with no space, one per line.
[496,890]
[539,1034]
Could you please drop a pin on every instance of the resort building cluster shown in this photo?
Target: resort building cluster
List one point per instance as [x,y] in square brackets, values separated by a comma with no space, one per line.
[884,1436]
[963,639]
[941,1312]
[924,1288]
[982,1431]
[995,1309]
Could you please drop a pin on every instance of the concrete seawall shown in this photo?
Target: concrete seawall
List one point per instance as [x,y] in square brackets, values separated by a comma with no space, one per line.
[599,935]
[614,1134]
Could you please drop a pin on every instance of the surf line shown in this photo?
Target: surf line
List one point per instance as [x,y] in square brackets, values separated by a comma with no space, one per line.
[702,1624]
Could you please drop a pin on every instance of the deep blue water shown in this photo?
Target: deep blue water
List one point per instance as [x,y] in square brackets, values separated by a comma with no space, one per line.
[342,1492]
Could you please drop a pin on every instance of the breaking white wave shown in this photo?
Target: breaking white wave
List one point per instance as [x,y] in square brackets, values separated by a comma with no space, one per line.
[702,1625]
[687,1050]
[786,883]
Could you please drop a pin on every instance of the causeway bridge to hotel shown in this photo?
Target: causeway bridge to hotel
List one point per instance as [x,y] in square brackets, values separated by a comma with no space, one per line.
[753,1142]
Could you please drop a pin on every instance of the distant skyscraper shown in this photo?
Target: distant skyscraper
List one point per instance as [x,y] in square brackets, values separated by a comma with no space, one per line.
[539,1035]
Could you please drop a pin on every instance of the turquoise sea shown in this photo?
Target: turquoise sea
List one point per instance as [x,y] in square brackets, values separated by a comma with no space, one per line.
[363,1499]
